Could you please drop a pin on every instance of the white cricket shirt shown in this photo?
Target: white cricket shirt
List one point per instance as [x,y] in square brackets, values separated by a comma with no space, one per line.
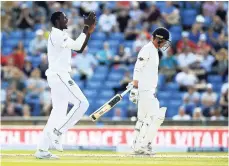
[59,50]
[146,68]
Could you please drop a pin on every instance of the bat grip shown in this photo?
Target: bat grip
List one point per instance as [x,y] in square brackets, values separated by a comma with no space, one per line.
[126,91]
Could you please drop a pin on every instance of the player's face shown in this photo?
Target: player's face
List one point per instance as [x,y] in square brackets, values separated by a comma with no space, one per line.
[161,45]
[63,21]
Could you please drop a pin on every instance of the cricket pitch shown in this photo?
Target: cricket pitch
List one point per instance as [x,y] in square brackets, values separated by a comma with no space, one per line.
[98,158]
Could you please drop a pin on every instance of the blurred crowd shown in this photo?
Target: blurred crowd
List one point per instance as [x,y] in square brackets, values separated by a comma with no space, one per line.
[201,51]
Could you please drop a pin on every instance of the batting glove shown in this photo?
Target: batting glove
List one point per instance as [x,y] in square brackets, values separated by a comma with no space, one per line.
[134,96]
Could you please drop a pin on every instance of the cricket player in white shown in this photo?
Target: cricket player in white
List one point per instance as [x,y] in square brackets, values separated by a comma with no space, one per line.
[63,88]
[145,78]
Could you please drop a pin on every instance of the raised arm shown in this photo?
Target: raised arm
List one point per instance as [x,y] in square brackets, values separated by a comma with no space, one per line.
[80,43]
[88,34]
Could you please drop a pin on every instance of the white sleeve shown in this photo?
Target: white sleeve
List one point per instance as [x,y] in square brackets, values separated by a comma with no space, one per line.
[74,44]
[143,57]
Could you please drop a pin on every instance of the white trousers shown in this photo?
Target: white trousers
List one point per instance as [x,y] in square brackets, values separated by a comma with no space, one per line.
[148,104]
[150,117]
[63,91]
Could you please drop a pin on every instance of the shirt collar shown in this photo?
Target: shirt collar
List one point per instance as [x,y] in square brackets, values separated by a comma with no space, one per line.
[56,29]
[152,45]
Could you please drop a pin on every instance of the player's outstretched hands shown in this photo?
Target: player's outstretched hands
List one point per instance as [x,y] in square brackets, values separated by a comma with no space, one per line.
[90,21]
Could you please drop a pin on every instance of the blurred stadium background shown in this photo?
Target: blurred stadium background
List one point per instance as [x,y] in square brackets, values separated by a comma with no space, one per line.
[193,79]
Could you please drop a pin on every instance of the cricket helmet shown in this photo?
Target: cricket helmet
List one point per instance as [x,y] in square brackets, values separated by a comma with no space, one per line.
[163,35]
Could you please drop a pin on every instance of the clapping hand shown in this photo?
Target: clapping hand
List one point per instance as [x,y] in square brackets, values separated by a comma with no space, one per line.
[90,21]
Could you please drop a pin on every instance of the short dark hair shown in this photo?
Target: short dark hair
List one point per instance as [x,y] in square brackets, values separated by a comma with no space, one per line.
[55,16]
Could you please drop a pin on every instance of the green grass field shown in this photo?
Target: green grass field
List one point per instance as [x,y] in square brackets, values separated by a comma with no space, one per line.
[98,158]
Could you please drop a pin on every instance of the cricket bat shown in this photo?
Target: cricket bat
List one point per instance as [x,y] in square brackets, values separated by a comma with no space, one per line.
[109,105]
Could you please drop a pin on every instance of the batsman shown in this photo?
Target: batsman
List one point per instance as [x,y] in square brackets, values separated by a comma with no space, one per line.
[145,78]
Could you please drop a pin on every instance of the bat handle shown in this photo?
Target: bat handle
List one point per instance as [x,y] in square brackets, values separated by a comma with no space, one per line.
[93,118]
[126,91]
